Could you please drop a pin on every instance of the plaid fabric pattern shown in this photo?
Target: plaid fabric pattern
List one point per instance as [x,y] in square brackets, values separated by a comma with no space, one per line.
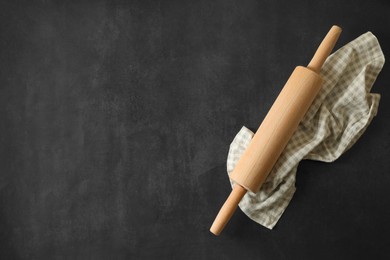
[338,116]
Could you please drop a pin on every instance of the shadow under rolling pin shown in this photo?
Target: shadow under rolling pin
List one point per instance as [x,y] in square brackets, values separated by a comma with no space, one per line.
[276,129]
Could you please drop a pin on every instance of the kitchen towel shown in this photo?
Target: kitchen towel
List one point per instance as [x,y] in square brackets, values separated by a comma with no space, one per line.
[338,116]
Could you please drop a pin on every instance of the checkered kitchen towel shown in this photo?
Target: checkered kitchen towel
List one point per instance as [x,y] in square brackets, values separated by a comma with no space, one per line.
[338,116]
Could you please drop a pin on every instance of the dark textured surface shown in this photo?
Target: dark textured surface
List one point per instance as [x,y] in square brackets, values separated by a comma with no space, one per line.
[116,119]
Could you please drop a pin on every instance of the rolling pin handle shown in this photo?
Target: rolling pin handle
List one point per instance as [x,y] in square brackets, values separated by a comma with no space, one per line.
[227,210]
[324,49]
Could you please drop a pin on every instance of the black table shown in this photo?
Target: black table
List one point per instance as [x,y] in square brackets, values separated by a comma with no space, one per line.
[116,119]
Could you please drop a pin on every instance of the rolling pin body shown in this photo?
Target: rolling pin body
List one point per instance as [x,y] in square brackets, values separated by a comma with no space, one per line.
[276,129]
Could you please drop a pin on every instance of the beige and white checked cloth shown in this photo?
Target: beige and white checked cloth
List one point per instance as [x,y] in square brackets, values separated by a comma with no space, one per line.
[338,116]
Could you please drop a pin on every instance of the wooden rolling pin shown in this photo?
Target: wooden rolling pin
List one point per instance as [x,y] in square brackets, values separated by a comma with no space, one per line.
[275,131]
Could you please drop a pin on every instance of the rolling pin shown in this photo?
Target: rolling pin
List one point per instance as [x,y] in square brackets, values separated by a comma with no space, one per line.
[276,129]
